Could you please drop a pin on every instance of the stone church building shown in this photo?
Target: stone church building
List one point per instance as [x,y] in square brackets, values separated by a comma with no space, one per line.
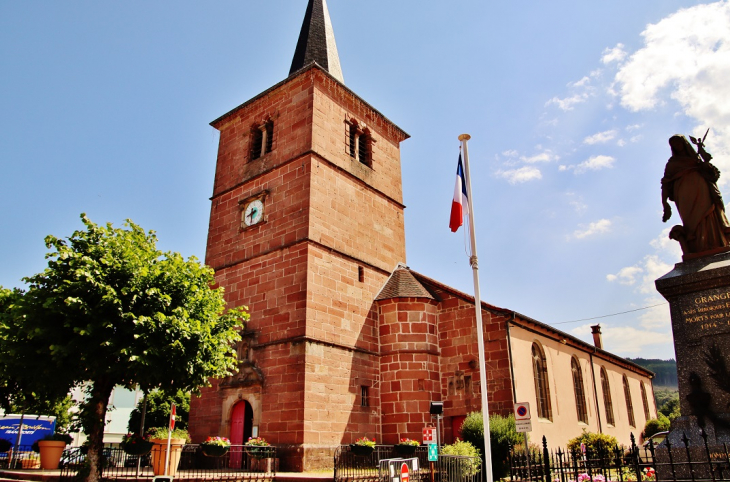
[345,341]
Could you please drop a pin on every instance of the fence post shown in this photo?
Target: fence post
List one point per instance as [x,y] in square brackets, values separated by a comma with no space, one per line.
[635,458]
[703,434]
[545,459]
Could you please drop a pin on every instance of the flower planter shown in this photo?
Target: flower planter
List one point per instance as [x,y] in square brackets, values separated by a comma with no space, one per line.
[51,451]
[258,451]
[405,449]
[138,448]
[361,450]
[159,454]
[214,450]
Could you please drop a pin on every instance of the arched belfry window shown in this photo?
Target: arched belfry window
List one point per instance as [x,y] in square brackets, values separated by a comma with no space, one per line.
[645,401]
[360,143]
[262,139]
[578,388]
[607,402]
[629,404]
[542,386]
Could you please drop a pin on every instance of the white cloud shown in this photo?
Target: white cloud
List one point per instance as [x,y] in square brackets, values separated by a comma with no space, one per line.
[569,102]
[593,163]
[599,227]
[600,137]
[626,276]
[581,83]
[685,58]
[576,202]
[545,156]
[523,174]
[625,340]
[634,127]
[616,54]
[510,153]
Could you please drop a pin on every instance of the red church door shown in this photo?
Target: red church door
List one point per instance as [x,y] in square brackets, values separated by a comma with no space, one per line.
[241,426]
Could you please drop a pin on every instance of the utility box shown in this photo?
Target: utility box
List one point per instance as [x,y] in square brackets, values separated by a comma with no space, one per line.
[398,470]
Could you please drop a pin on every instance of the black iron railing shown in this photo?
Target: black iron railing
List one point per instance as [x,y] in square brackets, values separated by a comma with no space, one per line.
[239,463]
[350,464]
[664,462]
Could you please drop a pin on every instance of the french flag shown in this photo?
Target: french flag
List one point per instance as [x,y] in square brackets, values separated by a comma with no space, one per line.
[460,205]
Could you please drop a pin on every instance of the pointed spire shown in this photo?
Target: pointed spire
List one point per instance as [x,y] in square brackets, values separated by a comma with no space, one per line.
[317,41]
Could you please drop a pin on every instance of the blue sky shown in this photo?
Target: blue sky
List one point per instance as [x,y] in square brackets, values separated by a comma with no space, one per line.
[104,109]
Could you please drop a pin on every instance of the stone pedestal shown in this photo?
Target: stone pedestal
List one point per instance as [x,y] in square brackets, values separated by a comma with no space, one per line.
[698,292]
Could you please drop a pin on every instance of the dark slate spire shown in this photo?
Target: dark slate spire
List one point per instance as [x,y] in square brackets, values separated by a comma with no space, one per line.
[317,41]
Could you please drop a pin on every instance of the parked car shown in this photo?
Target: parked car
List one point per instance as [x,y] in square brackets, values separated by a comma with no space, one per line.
[657,438]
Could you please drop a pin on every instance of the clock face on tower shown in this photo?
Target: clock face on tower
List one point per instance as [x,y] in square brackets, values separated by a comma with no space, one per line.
[253,213]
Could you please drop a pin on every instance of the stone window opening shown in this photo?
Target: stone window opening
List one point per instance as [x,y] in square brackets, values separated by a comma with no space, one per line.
[360,143]
[360,274]
[645,401]
[629,404]
[607,402]
[578,388]
[364,396]
[542,385]
[262,139]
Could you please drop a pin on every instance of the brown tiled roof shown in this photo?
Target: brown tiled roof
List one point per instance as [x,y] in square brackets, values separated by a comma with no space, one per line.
[402,284]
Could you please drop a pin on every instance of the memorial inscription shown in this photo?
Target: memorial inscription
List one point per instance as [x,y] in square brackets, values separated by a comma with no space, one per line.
[707,314]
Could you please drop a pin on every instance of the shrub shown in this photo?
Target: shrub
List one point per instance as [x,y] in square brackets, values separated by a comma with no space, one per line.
[161,433]
[460,447]
[502,434]
[595,442]
[655,425]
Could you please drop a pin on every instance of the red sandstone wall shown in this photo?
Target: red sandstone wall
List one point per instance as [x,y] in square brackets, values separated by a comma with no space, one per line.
[460,385]
[409,366]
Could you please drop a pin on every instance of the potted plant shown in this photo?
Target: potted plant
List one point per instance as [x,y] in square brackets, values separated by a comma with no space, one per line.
[135,444]
[406,446]
[158,436]
[258,447]
[51,448]
[363,446]
[215,446]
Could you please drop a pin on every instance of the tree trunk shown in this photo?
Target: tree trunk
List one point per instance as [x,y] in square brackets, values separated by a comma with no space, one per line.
[101,391]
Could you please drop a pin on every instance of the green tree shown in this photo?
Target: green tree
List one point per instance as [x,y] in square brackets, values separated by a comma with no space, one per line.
[655,425]
[111,309]
[157,413]
[502,434]
[668,403]
[40,394]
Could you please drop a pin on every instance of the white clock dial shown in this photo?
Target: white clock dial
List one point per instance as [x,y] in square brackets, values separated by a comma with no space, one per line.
[254,213]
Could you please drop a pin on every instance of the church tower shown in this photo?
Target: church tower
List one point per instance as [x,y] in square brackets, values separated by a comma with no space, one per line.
[306,226]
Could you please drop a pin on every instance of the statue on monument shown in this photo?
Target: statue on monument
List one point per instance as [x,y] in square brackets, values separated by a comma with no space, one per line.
[690,180]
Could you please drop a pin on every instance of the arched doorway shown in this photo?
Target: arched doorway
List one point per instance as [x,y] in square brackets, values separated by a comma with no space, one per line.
[241,426]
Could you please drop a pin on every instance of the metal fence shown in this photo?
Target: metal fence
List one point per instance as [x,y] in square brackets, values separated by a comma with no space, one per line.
[372,467]
[665,462]
[22,458]
[239,463]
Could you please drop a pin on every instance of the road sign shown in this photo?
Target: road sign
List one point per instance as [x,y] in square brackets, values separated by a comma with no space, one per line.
[404,473]
[433,453]
[522,411]
[523,425]
[429,435]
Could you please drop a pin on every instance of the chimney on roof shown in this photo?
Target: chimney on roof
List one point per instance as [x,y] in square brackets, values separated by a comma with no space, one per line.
[597,340]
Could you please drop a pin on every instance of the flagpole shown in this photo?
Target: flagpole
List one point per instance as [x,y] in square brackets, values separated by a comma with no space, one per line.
[478,310]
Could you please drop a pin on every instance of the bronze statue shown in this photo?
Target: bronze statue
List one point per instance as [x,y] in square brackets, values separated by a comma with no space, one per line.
[690,180]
